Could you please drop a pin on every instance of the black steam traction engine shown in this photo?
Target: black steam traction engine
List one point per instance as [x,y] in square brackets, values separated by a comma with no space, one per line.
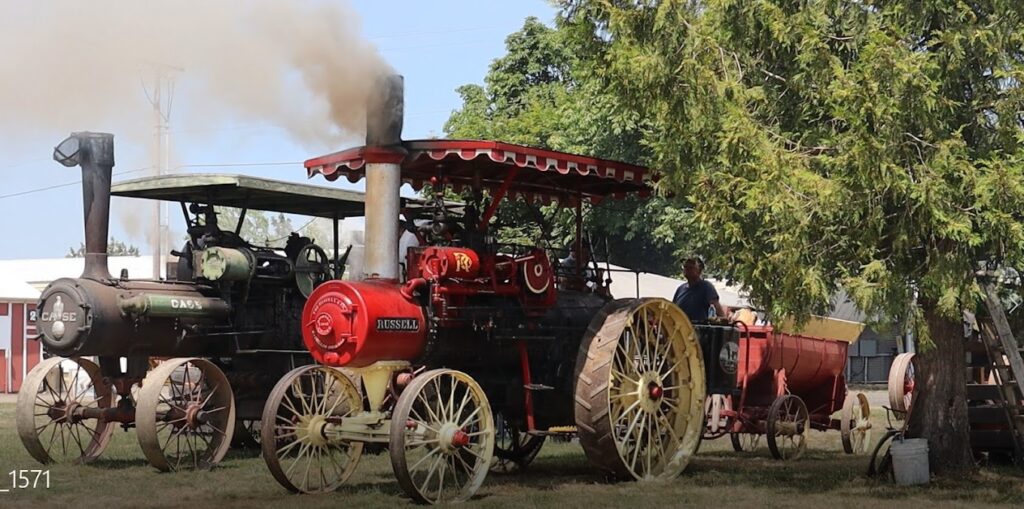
[475,349]
[228,321]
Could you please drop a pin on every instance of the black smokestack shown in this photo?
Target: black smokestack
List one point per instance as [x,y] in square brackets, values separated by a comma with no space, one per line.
[94,152]
[384,112]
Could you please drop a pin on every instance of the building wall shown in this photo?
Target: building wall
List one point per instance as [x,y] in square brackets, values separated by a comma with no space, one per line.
[18,352]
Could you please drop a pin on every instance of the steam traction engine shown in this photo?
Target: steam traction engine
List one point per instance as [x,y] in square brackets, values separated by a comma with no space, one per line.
[228,322]
[476,349]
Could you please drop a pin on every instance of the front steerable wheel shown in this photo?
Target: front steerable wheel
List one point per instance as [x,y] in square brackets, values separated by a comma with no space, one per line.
[789,424]
[186,415]
[745,442]
[304,453]
[513,448]
[442,437]
[640,389]
[49,409]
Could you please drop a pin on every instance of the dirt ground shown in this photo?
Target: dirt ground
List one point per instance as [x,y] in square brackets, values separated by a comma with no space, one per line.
[560,477]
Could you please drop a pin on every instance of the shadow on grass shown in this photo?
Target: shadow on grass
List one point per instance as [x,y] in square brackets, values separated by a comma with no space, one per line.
[119,464]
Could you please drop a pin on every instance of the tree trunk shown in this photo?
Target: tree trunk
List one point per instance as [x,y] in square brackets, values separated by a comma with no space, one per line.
[939,412]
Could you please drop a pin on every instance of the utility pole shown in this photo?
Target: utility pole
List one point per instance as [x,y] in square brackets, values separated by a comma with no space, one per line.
[161,97]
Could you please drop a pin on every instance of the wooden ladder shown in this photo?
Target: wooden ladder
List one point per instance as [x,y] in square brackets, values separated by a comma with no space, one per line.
[1004,357]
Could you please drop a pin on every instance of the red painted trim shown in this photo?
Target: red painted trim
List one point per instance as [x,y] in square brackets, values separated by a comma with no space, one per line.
[3,371]
[524,363]
[17,346]
[4,307]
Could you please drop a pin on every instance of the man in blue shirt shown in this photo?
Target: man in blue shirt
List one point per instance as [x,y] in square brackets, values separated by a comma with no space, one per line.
[696,296]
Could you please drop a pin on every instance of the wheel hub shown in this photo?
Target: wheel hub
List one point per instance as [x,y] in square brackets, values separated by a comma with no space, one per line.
[452,438]
[650,390]
[311,429]
[192,415]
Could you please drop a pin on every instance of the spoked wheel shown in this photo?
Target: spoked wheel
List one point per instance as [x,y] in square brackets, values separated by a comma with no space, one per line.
[640,389]
[442,437]
[513,449]
[789,424]
[51,404]
[901,384]
[302,449]
[855,424]
[186,415]
[745,442]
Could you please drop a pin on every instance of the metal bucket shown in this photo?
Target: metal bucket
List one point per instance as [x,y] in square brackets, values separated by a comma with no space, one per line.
[910,461]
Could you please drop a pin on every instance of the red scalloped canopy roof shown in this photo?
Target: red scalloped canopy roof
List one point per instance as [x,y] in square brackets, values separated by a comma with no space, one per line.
[548,176]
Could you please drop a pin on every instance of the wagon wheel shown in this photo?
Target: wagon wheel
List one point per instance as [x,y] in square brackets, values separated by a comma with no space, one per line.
[788,427]
[513,448]
[442,437]
[640,389]
[49,409]
[745,442]
[901,384]
[855,424]
[303,452]
[186,415]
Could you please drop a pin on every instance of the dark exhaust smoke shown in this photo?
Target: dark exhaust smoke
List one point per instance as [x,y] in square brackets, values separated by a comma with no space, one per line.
[384,111]
[94,152]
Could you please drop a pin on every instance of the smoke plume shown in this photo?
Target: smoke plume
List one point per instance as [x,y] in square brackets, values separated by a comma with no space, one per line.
[74,65]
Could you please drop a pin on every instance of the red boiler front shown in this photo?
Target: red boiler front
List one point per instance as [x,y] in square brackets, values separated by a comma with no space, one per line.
[354,324]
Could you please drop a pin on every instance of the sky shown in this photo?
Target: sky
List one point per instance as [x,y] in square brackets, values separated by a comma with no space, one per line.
[437,46]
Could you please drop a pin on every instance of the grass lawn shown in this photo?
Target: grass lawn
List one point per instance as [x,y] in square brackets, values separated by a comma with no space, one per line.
[560,477]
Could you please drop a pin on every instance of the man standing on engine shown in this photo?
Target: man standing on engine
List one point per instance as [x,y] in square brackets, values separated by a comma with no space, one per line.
[697,296]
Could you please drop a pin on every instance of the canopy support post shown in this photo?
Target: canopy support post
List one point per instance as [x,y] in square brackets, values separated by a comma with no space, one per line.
[496,198]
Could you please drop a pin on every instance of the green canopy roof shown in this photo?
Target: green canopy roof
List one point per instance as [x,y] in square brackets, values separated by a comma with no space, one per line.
[243,191]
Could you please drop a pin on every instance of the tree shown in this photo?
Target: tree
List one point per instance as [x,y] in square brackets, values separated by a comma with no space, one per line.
[114,248]
[872,145]
[536,95]
[258,227]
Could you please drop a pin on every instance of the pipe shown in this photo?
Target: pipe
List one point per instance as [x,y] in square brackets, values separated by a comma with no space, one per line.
[94,152]
[384,154]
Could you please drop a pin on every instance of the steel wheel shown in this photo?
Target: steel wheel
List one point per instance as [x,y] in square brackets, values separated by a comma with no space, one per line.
[442,437]
[788,427]
[50,404]
[247,433]
[716,422]
[303,452]
[513,449]
[901,384]
[640,389]
[855,424]
[186,415]
[745,442]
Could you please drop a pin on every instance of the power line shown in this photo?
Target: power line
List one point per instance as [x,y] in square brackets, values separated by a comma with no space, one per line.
[68,184]
[220,165]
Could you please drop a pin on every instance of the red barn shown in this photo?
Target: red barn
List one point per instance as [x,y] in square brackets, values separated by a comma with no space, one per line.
[18,353]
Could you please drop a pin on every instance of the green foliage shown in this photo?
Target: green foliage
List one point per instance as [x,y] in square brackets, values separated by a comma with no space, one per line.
[114,248]
[873,145]
[538,94]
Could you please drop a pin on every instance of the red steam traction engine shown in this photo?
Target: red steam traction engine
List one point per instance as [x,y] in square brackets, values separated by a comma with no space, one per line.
[476,349]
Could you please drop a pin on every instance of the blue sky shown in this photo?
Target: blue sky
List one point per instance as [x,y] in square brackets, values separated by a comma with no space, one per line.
[437,46]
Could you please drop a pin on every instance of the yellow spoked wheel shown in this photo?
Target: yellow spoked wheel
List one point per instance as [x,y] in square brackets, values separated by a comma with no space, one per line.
[302,449]
[788,426]
[52,404]
[640,389]
[186,415]
[855,424]
[442,437]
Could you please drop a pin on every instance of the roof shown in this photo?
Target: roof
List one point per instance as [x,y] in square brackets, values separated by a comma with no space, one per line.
[243,191]
[14,288]
[552,176]
[39,272]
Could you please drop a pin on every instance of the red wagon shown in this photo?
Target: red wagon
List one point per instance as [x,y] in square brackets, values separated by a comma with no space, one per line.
[786,384]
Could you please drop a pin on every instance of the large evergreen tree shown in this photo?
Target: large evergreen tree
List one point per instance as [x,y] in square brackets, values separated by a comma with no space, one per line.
[875,145]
